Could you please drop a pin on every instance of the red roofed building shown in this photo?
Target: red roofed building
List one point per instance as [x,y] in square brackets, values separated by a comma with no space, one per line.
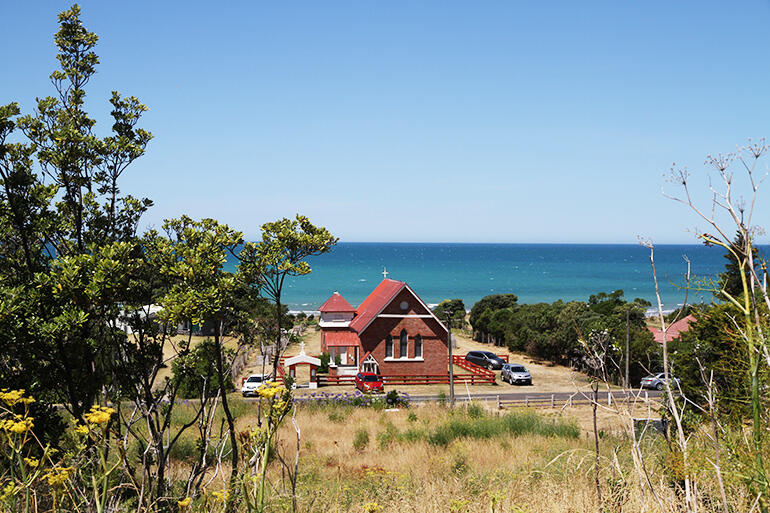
[674,330]
[393,332]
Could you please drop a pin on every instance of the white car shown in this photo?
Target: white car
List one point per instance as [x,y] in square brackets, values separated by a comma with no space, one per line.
[254,383]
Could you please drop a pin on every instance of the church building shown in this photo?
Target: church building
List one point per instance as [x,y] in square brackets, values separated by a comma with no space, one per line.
[393,332]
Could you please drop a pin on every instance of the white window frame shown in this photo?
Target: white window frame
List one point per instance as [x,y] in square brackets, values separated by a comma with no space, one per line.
[403,345]
[418,344]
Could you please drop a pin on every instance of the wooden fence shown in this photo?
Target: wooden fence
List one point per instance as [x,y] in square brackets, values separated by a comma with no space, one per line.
[476,375]
[575,399]
[413,379]
[461,362]
[239,363]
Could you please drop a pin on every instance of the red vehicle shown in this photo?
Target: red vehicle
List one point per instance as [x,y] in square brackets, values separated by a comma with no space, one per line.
[369,382]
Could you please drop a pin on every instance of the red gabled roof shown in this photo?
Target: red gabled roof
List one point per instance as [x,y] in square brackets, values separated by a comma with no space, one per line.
[375,303]
[336,303]
[342,339]
[674,330]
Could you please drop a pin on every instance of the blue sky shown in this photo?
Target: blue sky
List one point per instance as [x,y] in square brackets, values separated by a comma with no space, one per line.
[420,121]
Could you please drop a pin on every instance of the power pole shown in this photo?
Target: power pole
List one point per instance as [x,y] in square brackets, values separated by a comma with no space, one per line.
[628,344]
[451,361]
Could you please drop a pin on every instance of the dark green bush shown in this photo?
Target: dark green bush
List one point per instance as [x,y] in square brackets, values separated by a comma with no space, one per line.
[197,370]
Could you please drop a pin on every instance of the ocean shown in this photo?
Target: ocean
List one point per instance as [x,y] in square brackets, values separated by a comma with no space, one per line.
[534,272]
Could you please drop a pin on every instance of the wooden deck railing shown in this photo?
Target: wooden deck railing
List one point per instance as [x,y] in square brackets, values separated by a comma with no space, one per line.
[461,362]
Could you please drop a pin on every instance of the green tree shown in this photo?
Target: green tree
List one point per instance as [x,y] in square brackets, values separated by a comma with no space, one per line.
[204,291]
[730,280]
[712,342]
[282,253]
[454,308]
[54,223]
[492,302]
[196,373]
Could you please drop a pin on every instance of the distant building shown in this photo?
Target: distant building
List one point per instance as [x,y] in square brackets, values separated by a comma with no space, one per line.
[674,330]
[393,332]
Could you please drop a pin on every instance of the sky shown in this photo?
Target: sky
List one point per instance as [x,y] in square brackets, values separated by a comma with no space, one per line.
[421,121]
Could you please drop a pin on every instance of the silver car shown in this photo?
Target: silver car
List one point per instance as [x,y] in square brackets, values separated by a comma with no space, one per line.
[516,374]
[658,381]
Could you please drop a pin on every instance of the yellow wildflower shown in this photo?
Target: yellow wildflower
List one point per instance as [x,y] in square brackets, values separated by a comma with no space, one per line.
[271,390]
[9,491]
[58,475]
[81,429]
[11,397]
[32,462]
[184,502]
[19,425]
[219,496]
[99,415]
[372,507]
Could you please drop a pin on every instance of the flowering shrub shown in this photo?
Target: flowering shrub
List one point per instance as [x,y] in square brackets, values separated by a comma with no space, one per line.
[33,472]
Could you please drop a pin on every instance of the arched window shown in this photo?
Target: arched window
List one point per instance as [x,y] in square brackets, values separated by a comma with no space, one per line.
[388,347]
[418,346]
[404,346]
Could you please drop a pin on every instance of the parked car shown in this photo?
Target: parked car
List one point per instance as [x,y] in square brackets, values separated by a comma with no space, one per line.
[516,374]
[369,382]
[486,359]
[658,381]
[254,383]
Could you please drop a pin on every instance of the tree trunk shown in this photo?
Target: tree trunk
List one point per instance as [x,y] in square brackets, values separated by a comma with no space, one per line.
[230,506]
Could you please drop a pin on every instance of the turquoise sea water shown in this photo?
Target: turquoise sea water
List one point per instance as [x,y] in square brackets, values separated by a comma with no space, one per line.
[534,272]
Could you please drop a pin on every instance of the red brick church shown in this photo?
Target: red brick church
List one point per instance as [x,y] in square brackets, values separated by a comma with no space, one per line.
[393,332]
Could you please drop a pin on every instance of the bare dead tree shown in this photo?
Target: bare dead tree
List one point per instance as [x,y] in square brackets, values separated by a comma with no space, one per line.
[726,210]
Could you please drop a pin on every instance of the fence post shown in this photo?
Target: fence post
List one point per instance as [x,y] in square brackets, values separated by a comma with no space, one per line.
[646,397]
[552,400]
[498,402]
[609,398]
[570,401]
[526,400]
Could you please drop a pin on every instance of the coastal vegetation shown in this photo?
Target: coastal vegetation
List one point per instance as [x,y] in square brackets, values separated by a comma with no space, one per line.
[553,331]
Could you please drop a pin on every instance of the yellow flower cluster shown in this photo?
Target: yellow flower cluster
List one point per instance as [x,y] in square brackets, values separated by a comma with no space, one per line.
[58,475]
[13,397]
[81,429]
[184,502]
[219,496]
[271,389]
[372,507]
[99,415]
[9,490]
[32,462]
[17,425]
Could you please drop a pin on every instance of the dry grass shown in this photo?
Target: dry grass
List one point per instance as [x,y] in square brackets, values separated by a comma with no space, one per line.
[503,473]
[526,473]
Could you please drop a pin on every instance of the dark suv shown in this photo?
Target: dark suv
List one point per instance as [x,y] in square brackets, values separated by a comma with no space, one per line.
[486,359]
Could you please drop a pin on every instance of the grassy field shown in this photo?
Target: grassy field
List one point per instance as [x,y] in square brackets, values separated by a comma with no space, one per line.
[432,459]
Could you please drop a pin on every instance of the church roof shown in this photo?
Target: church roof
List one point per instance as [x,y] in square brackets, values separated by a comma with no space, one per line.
[342,338]
[375,303]
[674,330]
[336,303]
